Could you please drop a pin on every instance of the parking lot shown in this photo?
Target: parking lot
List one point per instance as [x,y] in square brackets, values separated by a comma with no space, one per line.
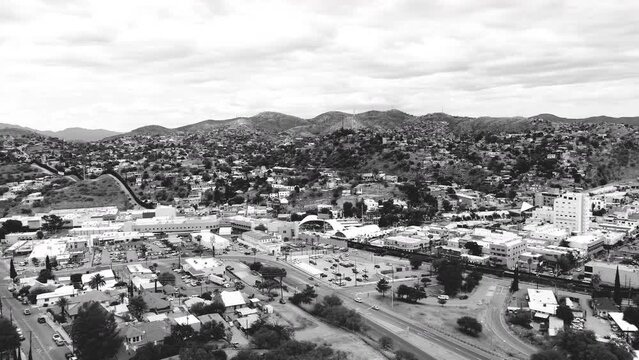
[351,267]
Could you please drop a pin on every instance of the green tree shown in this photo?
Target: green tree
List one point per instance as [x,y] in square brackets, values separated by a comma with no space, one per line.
[383,286]
[405,355]
[12,270]
[9,338]
[137,306]
[415,262]
[305,296]
[63,303]
[52,223]
[95,333]
[514,285]
[564,313]
[616,293]
[166,278]
[548,355]
[47,263]
[386,342]
[96,281]
[469,325]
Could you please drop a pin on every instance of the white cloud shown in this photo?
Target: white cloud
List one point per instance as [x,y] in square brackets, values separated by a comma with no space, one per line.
[123,64]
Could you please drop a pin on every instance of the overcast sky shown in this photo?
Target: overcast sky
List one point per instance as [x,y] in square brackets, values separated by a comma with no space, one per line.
[124,64]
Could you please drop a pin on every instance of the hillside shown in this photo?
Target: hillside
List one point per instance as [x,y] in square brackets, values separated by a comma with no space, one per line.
[631,120]
[80,134]
[103,191]
[265,121]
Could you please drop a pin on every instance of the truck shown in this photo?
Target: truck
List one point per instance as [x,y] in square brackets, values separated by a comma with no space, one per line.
[218,280]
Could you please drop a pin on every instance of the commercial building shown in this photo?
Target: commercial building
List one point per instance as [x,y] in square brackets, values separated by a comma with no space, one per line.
[628,274]
[572,212]
[405,243]
[180,225]
[203,267]
[262,241]
[587,244]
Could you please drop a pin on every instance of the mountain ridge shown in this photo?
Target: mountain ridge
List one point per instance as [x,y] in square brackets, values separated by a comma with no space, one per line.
[275,122]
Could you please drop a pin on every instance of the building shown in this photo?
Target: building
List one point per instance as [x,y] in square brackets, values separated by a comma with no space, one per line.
[210,240]
[572,212]
[232,300]
[50,298]
[262,241]
[405,243]
[587,244]
[203,267]
[628,274]
[181,225]
[139,334]
[542,301]
[545,199]
[507,253]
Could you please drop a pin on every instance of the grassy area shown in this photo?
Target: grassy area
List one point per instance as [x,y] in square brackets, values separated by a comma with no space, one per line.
[103,191]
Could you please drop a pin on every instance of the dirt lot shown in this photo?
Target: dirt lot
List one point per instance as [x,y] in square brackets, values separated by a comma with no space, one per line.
[307,328]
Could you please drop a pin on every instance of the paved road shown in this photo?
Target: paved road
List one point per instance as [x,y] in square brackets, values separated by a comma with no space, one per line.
[43,346]
[381,320]
[499,332]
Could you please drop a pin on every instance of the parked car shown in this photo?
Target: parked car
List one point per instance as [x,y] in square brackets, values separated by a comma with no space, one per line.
[57,336]
[26,312]
[41,320]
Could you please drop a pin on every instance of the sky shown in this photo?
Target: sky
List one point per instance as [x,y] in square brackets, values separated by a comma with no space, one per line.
[120,65]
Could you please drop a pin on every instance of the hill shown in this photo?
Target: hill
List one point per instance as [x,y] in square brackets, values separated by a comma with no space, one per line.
[628,120]
[80,134]
[264,121]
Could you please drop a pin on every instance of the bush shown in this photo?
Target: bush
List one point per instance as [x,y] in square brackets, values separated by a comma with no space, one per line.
[521,318]
[469,325]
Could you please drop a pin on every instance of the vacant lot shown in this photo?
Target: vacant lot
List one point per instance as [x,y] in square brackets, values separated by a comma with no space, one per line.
[308,328]
[103,191]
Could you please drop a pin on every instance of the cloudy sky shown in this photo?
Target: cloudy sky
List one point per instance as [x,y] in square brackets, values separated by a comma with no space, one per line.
[124,64]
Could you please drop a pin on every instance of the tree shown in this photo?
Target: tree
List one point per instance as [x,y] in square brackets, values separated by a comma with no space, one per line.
[270,272]
[386,342]
[474,248]
[9,338]
[12,270]
[415,262]
[411,293]
[631,315]
[95,333]
[47,263]
[52,223]
[405,355]
[469,325]
[514,286]
[382,286]
[548,355]
[449,274]
[616,293]
[212,330]
[305,296]
[347,208]
[166,278]
[96,281]
[62,303]
[45,275]
[137,306]
[565,314]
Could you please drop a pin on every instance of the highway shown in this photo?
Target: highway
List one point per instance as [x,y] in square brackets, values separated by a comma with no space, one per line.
[43,346]
[384,321]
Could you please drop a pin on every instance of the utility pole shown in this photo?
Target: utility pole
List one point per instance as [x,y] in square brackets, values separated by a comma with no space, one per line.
[393,287]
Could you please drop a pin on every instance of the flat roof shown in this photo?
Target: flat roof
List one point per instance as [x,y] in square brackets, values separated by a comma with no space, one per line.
[625,326]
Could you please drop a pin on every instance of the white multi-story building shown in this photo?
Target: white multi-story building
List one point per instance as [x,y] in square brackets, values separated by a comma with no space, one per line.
[507,253]
[573,212]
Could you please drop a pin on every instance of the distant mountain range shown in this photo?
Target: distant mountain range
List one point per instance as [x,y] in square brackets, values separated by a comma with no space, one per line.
[273,122]
[69,134]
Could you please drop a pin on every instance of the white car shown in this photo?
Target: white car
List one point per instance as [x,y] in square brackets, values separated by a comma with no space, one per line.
[358,299]
[375,307]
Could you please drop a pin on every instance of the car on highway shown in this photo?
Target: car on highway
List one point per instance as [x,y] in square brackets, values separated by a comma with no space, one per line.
[26,312]
[358,299]
[375,307]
